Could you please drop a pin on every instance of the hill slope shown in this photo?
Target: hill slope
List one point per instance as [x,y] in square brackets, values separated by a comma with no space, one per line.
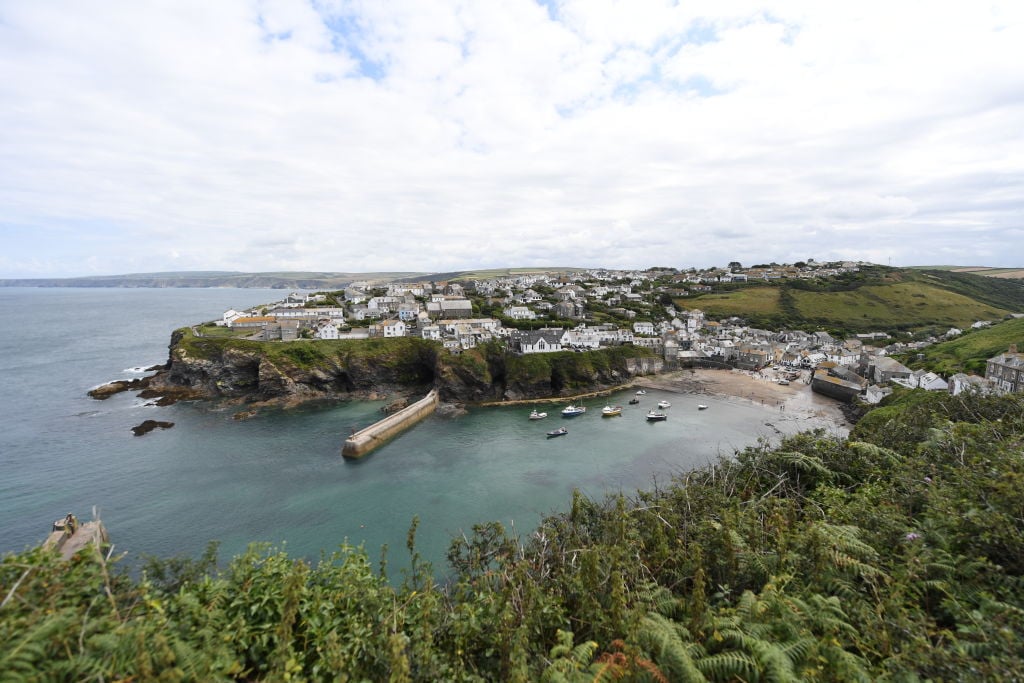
[969,352]
[877,298]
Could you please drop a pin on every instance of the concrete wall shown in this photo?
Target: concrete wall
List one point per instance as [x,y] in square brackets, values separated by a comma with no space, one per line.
[365,440]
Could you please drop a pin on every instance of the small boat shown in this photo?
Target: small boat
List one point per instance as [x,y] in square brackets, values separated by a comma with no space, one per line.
[664,404]
[701,406]
[537,416]
[654,416]
[571,411]
[641,392]
[609,411]
[633,401]
[561,431]
[784,382]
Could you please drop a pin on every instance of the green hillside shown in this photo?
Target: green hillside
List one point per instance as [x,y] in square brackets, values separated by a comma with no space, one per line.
[969,352]
[875,299]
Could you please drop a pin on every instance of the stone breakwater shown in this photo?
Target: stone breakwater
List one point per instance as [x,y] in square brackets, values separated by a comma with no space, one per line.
[379,433]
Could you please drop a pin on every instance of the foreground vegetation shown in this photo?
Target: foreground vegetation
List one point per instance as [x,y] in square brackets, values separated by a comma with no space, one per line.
[895,555]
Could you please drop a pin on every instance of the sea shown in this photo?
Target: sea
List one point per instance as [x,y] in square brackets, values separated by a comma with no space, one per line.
[279,477]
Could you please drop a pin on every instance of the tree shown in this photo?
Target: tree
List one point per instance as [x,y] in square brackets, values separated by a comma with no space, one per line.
[735,265]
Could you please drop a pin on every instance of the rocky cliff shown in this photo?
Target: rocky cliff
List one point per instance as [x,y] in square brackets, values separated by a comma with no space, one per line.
[248,371]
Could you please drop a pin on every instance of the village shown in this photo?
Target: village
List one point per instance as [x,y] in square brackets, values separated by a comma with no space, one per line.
[545,313]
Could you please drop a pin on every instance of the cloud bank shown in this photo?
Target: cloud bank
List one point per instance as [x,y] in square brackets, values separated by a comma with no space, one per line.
[344,135]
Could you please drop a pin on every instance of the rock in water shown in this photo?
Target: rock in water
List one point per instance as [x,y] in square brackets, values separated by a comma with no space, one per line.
[150,425]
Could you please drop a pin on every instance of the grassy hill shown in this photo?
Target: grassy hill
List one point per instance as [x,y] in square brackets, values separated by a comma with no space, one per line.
[877,298]
[969,352]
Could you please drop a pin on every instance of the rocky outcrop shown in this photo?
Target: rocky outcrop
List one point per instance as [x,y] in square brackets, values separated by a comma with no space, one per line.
[294,372]
[149,425]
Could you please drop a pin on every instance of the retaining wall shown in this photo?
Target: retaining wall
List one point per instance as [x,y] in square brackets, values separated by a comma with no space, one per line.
[365,440]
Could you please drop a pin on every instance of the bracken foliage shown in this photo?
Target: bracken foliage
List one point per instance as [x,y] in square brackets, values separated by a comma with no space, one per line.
[894,555]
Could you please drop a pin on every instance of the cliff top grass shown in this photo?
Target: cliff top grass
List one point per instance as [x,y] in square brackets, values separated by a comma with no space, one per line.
[308,353]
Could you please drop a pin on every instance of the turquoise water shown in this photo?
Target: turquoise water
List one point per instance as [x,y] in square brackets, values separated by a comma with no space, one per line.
[279,477]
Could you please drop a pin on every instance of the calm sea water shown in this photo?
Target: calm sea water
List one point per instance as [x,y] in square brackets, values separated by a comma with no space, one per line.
[279,477]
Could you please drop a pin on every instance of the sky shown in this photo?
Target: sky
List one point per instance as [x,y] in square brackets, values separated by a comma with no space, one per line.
[426,135]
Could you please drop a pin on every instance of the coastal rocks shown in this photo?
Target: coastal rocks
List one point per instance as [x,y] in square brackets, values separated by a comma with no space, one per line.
[149,425]
[102,393]
[450,410]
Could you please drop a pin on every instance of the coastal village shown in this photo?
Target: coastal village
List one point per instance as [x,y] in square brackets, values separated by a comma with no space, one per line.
[586,310]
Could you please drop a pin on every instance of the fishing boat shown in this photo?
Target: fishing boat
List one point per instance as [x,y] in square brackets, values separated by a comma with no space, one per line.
[701,406]
[664,404]
[654,416]
[641,392]
[633,401]
[572,411]
[784,382]
[561,431]
[609,411]
[537,416]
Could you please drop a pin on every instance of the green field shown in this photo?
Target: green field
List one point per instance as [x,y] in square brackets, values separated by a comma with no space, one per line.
[875,299]
[752,301]
[969,352]
[903,305]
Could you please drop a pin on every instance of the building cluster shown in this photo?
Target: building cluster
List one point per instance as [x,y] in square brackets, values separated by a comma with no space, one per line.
[636,308]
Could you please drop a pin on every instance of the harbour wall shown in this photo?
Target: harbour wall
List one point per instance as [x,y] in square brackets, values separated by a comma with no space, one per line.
[377,434]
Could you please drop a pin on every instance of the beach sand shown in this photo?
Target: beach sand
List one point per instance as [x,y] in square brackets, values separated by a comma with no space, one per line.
[793,403]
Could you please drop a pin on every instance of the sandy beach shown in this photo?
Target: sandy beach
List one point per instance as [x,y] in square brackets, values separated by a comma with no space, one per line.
[794,402]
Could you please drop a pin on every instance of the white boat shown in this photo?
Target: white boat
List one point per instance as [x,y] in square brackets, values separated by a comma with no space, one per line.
[537,416]
[701,406]
[609,411]
[561,431]
[784,382]
[571,411]
[654,416]
[640,392]
[664,404]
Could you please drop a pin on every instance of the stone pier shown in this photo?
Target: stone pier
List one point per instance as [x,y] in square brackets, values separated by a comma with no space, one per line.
[379,433]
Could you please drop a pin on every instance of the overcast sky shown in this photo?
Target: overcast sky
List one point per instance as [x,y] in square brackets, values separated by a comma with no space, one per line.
[435,135]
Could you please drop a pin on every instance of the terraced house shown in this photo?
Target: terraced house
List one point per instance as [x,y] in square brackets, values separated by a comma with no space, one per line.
[1007,371]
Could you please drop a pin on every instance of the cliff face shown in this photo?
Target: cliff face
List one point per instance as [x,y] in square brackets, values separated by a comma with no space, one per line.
[215,368]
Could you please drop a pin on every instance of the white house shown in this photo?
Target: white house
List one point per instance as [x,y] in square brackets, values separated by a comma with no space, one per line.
[520,313]
[644,328]
[327,331]
[540,341]
[394,328]
[432,332]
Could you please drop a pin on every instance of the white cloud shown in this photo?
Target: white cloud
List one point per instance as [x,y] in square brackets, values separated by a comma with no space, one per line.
[351,135]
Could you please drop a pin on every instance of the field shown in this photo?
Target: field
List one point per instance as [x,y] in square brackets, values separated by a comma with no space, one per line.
[969,352]
[751,301]
[904,305]
[1014,273]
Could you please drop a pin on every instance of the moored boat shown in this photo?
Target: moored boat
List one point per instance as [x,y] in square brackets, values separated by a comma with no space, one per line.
[633,401]
[641,392]
[610,411]
[654,416]
[664,404]
[571,411]
[561,431]
[701,406]
[537,416]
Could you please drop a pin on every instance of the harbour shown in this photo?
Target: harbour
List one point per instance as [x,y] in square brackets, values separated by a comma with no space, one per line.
[278,477]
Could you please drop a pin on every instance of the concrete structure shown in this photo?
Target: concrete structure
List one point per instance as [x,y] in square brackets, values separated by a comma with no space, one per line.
[379,433]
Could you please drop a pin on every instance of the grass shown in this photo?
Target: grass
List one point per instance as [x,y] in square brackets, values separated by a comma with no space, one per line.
[969,352]
[741,302]
[902,305]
